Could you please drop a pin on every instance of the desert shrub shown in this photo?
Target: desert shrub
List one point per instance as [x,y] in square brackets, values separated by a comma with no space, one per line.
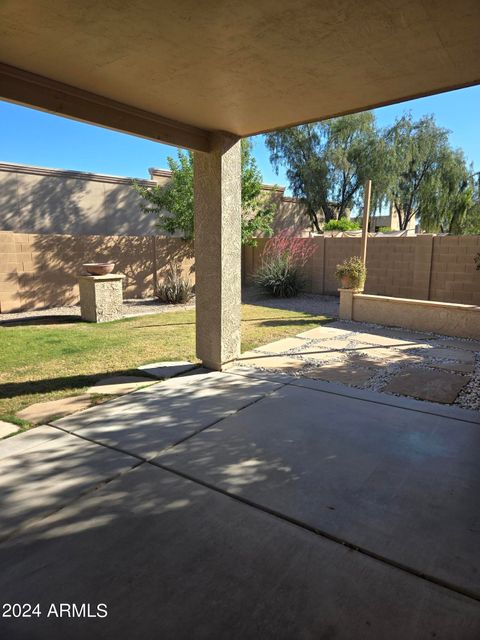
[354,270]
[341,225]
[175,289]
[282,261]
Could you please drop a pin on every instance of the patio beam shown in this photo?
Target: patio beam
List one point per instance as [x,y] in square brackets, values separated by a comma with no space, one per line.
[30,89]
[217,194]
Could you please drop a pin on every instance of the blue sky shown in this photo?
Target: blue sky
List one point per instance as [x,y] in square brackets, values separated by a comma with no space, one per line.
[32,137]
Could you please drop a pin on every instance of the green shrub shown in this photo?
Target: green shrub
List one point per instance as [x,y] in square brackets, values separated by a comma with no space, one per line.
[280,278]
[341,225]
[354,270]
[176,289]
[283,258]
[385,229]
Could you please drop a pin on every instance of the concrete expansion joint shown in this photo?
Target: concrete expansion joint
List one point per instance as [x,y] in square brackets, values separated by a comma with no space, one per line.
[320,533]
[83,494]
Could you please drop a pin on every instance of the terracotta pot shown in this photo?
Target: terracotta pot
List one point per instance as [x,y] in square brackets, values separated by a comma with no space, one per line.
[345,282]
[99,268]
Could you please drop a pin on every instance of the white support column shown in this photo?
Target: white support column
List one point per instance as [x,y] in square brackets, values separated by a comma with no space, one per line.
[217,193]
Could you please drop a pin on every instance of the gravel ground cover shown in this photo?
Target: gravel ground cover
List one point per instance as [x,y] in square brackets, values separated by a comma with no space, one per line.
[353,350]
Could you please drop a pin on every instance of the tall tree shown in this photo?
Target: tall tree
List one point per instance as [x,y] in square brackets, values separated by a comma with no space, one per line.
[328,162]
[173,204]
[427,176]
[448,196]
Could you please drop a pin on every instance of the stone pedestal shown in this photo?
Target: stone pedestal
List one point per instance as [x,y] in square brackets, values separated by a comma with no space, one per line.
[101,297]
[346,303]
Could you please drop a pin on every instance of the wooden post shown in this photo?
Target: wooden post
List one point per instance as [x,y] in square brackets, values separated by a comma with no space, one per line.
[366,212]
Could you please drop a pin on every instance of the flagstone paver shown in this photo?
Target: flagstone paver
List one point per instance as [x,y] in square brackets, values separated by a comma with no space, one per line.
[427,384]
[387,355]
[457,343]
[323,333]
[383,341]
[119,384]
[364,355]
[7,428]
[457,355]
[282,345]
[456,367]
[167,369]
[43,411]
[345,372]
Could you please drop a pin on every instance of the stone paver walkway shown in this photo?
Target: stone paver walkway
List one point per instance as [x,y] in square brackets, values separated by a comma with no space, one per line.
[245,505]
[420,365]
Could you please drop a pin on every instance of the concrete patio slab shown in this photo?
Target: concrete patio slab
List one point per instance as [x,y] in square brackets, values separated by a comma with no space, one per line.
[7,428]
[43,411]
[176,559]
[399,483]
[119,384]
[146,421]
[402,402]
[427,384]
[27,440]
[37,481]
[167,369]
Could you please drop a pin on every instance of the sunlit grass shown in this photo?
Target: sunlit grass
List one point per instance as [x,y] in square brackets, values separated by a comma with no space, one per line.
[47,362]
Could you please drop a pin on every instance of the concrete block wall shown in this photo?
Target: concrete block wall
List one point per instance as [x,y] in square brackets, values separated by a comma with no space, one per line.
[454,276]
[422,267]
[39,270]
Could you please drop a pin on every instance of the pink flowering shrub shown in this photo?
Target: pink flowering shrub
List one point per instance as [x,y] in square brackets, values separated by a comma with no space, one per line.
[285,246]
[282,260]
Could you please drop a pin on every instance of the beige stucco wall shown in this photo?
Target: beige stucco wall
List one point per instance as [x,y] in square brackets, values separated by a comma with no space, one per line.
[41,200]
[420,315]
[38,200]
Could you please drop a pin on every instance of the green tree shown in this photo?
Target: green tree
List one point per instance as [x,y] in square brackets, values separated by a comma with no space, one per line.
[172,203]
[429,180]
[448,195]
[328,162]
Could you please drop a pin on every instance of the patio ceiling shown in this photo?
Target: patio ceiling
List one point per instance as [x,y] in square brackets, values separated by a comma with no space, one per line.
[176,71]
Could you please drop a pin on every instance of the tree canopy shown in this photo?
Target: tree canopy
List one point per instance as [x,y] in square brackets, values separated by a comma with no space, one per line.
[328,162]
[173,204]
[411,164]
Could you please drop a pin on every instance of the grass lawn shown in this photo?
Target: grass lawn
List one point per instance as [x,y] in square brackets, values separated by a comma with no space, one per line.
[47,362]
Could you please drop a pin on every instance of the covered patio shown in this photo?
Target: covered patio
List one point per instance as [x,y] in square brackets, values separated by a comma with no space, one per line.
[228,503]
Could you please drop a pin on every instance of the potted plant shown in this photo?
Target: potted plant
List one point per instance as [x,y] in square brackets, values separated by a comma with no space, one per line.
[351,273]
